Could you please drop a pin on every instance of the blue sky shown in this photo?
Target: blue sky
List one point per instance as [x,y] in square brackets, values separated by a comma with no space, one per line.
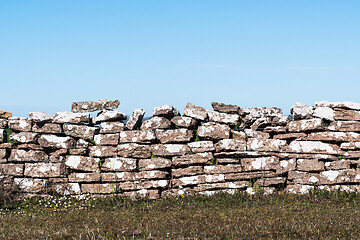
[152,53]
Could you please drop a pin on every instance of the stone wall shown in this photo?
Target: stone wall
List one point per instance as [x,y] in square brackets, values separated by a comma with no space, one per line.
[202,151]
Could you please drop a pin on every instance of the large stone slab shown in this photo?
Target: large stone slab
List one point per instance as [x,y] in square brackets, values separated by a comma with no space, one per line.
[154,163]
[80,131]
[142,185]
[119,164]
[169,149]
[41,117]
[310,165]
[225,118]
[291,136]
[324,113]
[167,111]
[188,181]
[22,155]
[344,105]
[111,127]
[334,136]
[112,177]
[314,147]
[214,131]
[20,124]
[31,185]
[146,136]
[315,124]
[188,171]
[196,112]
[230,145]
[85,177]
[184,122]
[262,163]
[135,119]
[345,126]
[250,133]
[156,123]
[41,170]
[54,141]
[347,115]
[336,165]
[134,150]
[301,111]
[24,137]
[98,188]
[106,139]
[305,178]
[201,146]
[91,106]
[82,163]
[218,169]
[264,182]
[225,108]
[266,145]
[69,117]
[5,114]
[174,135]
[193,159]
[11,169]
[47,128]
[108,116]
[102,151]
[350,145]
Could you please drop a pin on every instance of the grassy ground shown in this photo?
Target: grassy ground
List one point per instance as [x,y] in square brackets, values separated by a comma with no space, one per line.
[318,215]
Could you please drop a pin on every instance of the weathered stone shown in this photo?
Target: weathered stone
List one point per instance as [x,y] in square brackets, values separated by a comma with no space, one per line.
[24,137]
[309,165]
[146,136]
[47,128]
[217,169]
[345,126]
[347,115]
[82,163]
[134,150]
[225,108]
[31,185]
[243,154]
[135,119]
[3,123]
[140,185]
[214,131]
[225,118]
[334,136]
[56,142]
[267,145]
[335,165]
[79,131]
[155,123]
[344,105]
[245,175]
[66,189]
[230,145]
[169,149]
[351,154]
[41,117]
[325,113]
[167,111]
[224,185]
[2,135]
[109,115]
[313,147]
[238,135]
[6,145]
[69,117]
[43,169]
[22,155]
[256,134]
[264,182]
[91,106]
[78,151]
[5,114]
[106,139]
[154,163]
[184,122]
[277,129]
[261,123]
[3,155]
[20,124]
[11,169]
[99,188]
[119,164]
[306,125]
[191,159]
[227,160]
[301,111]
[280,120]
[298,189]
[133,176]
[188,181]
[81,143]
[84,177]
[350,145]
[262,163]
[102,151]
[111,127]
[196,112]
[143,193]
[188,171]
[254,113]
[297,177]
[174,135]
[292,136]
[201,146]
[286,166]
[339,176]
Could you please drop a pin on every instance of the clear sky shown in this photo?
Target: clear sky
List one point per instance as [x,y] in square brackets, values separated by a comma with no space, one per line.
[151,53]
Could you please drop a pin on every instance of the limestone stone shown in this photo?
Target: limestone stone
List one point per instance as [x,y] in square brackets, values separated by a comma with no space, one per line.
[262,163]
[11,169]
[102,151]
[143,193]
[141,185]
[280,120]
[338,176]
[224,161]
[119,164]
[276,130]
[218,169]
[2,135]
[345,126]
[5,114]
[78,151]
[66,189]
[169,149]
[134,150]
[196,112]
[286,165]
[246,175]
[47,128]
[225,118]
[3,155]
[325,113]
[167,111]
[133,176]
[43,170]
[6,145]
[243,154]
[135,119]
[84,177]
[146,136]
[261,123]
[20,124]
[267,145]
[79,131]
[239,135]
[21,155]
[69,117]
[350,145]
[184,122]
[41,117]
[188,171]
[91,106]
[230,145]
[306,125]
[344,105]
[250,133]
[309,165]
[225,108]
[82,163]
[54,141]
[314,147]
[81,143]
[3,123]
[334,136]
[291,136]
[31,185]
[347,115]
[24,137]
[335,165]
[213,131]
[99,188]
[174,135]
[188,181]
[109,115]
[301,111]
[298,189]
[254,113]
[192,159]
[106,139]
[264,182]
[156,123]
[351,154]
[111,127]
[201,146]
[154,163]
[224,185]
[305,178]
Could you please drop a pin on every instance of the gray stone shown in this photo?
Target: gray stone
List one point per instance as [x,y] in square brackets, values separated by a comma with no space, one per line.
[91,106]
[134,150]
[146,136]
[196,112]
[201,146]
[2,135]
[43,170]
[307,165]
[11,169]
[21,155]
[109,115]
[262,163]
[69,117]
[214,131]
[135,119]
[41,117]
[56,142]
[79,131]
[102,151]
[350,145]
[191,159]
[154,163]
[111,127]
[334,136]
[225,118]
[314,147]
[31,185]
[24,137]
[239,135]
[256,134]
[85,177]
[184,122]
[107,139]
[188,171]
[3,123]
[301,111]
[169,149]
[276,130]
[156,123]
[167,111]
[347,115]
[335,165]
[292,136]
[230,145]
[345,126]
[132,176]
[315,124]
[218,169]
[270,181]
[141,185]
[20,124]
[188,181]
[267,145]
[119,164]
[82,163]
[225,108]
[47,128]
[174,135]
[344,105]
[261,123]
[325,113]
[98,188]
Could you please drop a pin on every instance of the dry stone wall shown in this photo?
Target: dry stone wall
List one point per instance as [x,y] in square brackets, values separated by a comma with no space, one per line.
[202,151]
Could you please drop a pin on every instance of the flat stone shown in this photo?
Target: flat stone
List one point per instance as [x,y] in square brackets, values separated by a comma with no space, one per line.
[31,185]
[3,123]
[85,177]
[280,120]
[3,154]
[196,112]
[188,181]
[325,113]
[66,189]
[262,163]
[230,145]
[351,154]
[2,135]
[307,165]
[301,111]
[345,126]
[174,135]
[286,166]
[79,131]
[214,131]
[108,116]
[134,150]
[264,182]
[107,139]
[156,123]
[82,163]
[239,135]
[218,169]
[297,177]
[21,155]
[142,185]
[314,147]
[20,124]
[191,159]
[78,151]
[81,143]
[41,117]
[132,176]
[146,136]
[6,145]
[261,123]
[339,176]
[151,194]
[276,130]
[154,163]
[135,119]
[43,169]
[267,145]
[5,114]
[24,137]
[292,136]
[246,175]
[225,118]
[298,189]
[347,115]
[188,171]
[111,127]
[306,125]
[336,165]
[350,145]
[119,164]
[224,161]
[254,113]
[225,108]
[56,142]
[69,117]
[334,136]
[102,151]
[344,105]
[169,149]
[11,169]
[224,185]
[47,128]
[184,122]
[98,188]
[91,106]
[250,133]
[167,111]
[201,146]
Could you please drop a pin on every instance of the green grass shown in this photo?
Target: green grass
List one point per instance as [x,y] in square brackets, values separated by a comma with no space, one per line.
[317,215]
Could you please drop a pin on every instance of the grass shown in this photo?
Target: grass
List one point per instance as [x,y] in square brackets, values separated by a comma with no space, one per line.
[327,215]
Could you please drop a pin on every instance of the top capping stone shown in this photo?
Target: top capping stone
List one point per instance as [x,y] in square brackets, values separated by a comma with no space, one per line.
[41,117]
[225,108]
[91,106]
[345,105]
[196,112]
[166,111]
